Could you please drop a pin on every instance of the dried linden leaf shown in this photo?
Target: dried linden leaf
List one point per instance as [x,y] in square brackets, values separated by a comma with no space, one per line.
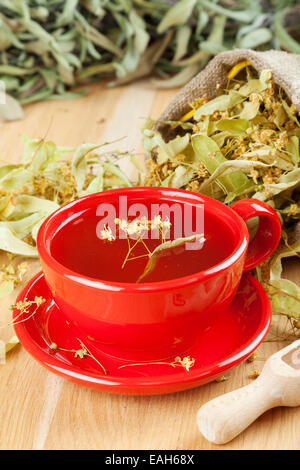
[209,153]
[6,347]
[10,108]
[221,103]
[12,244]
[6,288]
[233,126]
[178,14]
[164,250]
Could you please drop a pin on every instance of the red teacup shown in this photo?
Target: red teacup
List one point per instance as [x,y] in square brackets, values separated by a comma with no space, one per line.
[154,320]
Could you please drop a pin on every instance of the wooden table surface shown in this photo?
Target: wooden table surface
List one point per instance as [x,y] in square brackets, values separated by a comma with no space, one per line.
[39,410]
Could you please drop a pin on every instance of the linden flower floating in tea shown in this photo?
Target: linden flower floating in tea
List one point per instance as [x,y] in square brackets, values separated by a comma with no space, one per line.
[137,229]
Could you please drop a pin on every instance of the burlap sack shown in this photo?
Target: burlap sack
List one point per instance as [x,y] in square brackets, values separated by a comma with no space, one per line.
[285,68]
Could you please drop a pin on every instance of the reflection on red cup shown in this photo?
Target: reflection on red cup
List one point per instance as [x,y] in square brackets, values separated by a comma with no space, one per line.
[156,320]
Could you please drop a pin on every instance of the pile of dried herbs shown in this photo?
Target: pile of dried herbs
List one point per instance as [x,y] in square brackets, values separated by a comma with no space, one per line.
[46,47]
[242,143]
[43,181]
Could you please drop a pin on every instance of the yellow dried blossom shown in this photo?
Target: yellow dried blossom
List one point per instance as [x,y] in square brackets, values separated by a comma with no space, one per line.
[255,97]
[254,374]
[223,378]
[252,357]
[266,135]
[187,362]
[180,157]
[293,209]
[194,186]
[282,141]
[254,175]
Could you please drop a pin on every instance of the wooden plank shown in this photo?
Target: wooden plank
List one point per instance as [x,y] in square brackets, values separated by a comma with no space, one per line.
[41,411]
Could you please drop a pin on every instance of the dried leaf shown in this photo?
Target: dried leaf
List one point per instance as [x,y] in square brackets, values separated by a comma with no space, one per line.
[257,85]
[220,103]
[164,250]
[6,288]
[177,15]
[6,347]
[12,244]
[79,163]
[26,204]
[179,79]
[233,126]
[164,150]
[209,153]
[255,38]
[250,110]
[226,168]
[182,40]
[10,109]
[179,178]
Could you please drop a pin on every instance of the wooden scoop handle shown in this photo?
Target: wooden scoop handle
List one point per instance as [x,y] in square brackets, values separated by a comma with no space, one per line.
[223,418]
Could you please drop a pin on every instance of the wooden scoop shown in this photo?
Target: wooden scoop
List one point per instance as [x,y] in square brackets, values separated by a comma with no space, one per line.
[223,418]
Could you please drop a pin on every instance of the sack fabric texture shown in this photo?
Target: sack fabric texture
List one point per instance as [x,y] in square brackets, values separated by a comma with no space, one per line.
[285,69]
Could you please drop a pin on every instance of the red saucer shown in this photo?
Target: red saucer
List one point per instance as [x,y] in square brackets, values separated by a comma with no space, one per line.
[234,336]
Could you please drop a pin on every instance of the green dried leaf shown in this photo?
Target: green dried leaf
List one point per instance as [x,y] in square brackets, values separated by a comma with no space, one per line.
[122,179]
[210,155]
[182,41]
[26,204]
[276,267]
[243,16]
[164,250]
[226,168]
[6,347]
[179,178]
[257,85]
[4,200]
[79,163]
[288,181]
[12,244]
[96,184]
[179,79]
[233,126]
[163,151]
[6,288]
[285,297]
[142,38]
[255,38]
[10,109]
[22,227]
[283,37]
[220,103]
[250,110]
[177,15]
[15,179]
[214,43]
[293,149]
[289,113]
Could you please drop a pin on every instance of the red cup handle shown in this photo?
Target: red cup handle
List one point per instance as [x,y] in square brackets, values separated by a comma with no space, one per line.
[268,232]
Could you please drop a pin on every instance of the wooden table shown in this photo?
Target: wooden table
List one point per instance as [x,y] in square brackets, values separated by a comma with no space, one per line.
[39,410]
